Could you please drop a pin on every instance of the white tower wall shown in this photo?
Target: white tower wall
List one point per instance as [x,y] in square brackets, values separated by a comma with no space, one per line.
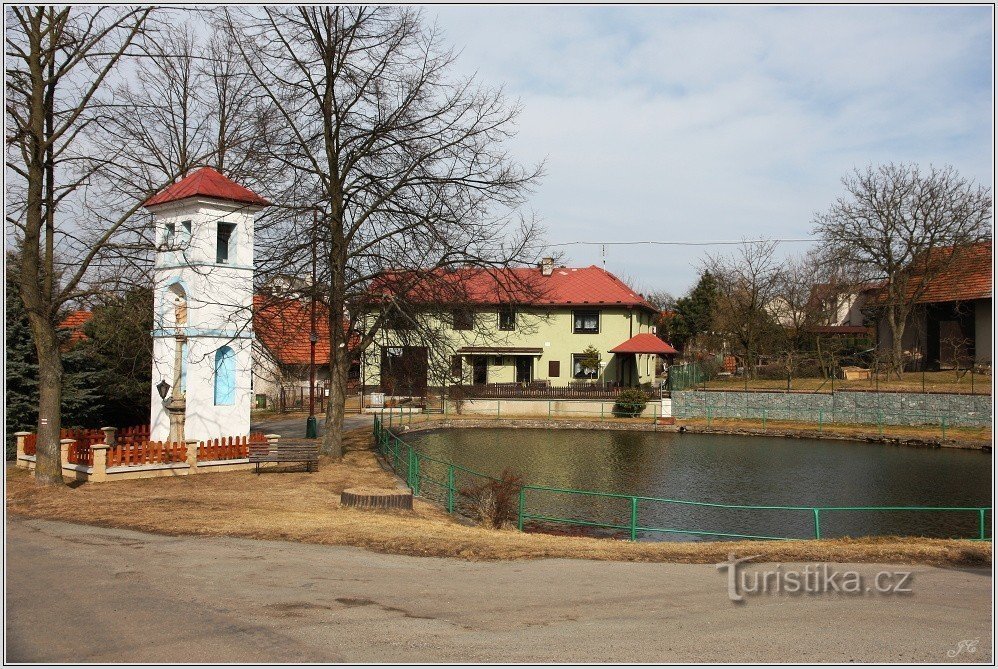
[219,303]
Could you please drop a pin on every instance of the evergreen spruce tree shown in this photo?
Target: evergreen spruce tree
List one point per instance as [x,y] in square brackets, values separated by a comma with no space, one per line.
[119,351]
[22,367]
[81,402]
[695,312]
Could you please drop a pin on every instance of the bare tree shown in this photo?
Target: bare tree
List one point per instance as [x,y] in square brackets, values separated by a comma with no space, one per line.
[59,65]
[747,283]
[403,166]
[797,308]
[102,112]
[904,226]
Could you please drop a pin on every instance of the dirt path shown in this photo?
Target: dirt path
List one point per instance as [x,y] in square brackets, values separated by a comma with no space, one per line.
[108,595]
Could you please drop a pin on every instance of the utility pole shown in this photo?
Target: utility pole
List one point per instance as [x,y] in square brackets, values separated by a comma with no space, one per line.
[311,427]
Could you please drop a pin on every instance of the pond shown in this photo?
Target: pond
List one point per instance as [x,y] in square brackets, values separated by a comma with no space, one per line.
[722,469]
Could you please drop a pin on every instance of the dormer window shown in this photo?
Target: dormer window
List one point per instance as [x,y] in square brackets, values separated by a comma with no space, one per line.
[223,239]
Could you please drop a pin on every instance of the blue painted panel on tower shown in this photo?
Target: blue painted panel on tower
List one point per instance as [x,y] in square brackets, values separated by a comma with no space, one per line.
[225,376]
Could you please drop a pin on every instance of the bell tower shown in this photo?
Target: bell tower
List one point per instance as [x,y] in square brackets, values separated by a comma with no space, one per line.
[203,307]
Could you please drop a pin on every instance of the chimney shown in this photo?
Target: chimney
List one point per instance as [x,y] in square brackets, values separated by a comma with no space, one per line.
[547,266]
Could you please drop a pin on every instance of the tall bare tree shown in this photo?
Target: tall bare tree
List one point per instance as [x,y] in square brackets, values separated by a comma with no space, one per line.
[105,107]
[59,65]
[903,225]
[390,166]
[747,283]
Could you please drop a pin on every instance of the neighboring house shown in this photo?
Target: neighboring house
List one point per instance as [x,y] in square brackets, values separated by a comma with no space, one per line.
[74,322]
[519,326]
[951,325]
[282,349]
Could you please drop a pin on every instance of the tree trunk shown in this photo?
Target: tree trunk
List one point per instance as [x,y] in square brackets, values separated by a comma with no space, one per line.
[895,320]
[332,434]
[48,459]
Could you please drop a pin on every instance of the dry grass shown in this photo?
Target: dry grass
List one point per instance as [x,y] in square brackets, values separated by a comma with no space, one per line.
[305,507]
[935,382]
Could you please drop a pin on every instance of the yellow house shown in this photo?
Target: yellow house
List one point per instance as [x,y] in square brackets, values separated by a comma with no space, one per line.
[535,327]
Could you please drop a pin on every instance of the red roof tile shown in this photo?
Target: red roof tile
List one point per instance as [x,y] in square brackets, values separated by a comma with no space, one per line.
[284,325]
[967,276]
[206,182]
[644,343]
[74,322]
[566,286]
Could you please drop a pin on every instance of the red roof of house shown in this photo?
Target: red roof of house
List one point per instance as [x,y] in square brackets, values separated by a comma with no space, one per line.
[74,322]
[644,343]
[967,277]
[206,182]
[284,325]
[566,286]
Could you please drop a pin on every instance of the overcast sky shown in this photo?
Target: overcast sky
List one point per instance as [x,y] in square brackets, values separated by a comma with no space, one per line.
[672,123]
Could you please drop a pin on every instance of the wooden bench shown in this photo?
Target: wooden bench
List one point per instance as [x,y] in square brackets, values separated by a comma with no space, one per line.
[286,450]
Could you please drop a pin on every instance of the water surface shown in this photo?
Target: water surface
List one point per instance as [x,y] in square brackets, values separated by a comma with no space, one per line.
[726,469]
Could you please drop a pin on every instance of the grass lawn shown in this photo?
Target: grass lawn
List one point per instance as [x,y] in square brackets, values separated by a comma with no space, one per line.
[304,507]
[935,382]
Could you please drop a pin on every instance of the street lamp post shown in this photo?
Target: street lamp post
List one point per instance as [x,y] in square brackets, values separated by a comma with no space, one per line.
[311,427]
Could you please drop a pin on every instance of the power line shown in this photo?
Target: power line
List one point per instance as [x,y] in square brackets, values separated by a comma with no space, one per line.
[724,242]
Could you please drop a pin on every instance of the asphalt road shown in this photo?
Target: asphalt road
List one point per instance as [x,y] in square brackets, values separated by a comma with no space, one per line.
[83,594]
[294,427]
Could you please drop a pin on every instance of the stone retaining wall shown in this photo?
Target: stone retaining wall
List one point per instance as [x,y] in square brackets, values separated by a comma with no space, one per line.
[838,407]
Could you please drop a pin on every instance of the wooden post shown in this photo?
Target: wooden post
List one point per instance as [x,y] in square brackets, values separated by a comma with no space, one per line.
[98,472]
[64,446]
[192,455]
[21,438]
[110,435]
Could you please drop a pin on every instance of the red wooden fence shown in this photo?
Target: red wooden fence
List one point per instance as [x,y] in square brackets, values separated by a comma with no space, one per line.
[133,447]
[145,453]
[227,448]
[85,437]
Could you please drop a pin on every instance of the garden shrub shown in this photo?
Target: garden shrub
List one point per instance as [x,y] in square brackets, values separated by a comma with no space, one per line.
[630,403]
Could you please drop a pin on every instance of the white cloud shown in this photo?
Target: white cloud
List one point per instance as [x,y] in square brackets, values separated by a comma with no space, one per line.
[677,123]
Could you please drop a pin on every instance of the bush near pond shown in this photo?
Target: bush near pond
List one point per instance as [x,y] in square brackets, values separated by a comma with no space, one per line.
[495,502]
[630,403]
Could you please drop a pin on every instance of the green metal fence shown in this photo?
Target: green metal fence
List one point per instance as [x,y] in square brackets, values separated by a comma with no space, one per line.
[441,481]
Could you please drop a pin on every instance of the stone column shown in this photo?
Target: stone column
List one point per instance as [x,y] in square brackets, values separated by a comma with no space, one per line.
[272,440]
[192,456]
[110,436]
[21,438]
[64,446]
[98,472]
